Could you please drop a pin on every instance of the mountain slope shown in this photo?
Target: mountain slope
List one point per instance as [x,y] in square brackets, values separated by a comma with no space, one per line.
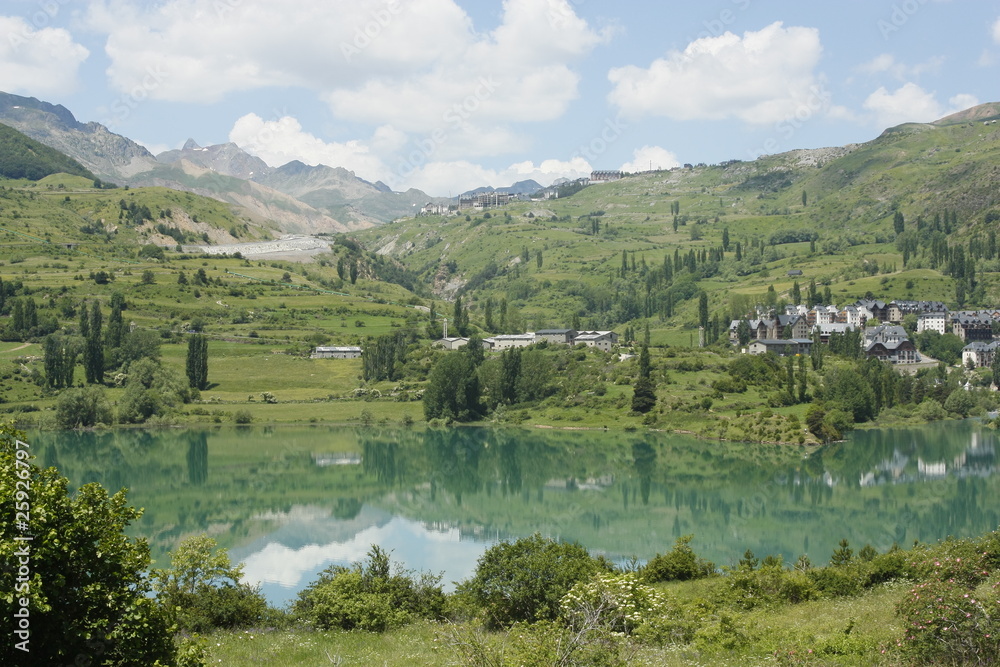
[110,156]
[23,157]
[340,193]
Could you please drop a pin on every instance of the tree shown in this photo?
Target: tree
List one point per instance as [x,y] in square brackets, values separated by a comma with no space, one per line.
[644,363]
[525,580]
[202,590]
[743,332]
[703,309]
[453,390]
[643,395]
[83,407]
[725,239]
[93,351]
[86,599]
[805,198]
[196,365]
[510,372]
[354,272]
[60,360]
[898,224]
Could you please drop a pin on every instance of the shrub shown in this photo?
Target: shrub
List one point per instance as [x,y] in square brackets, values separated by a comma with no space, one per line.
[949,621]
[203,591]
[370,596]
[526,580]
[617,602]
[242,417]
[679,564]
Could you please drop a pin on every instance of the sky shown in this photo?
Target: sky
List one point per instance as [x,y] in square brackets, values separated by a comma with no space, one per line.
[449,95]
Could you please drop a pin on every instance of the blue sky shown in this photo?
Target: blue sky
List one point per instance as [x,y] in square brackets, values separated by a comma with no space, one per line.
[446,95]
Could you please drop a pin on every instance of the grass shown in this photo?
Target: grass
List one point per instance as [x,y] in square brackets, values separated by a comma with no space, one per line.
[844,631]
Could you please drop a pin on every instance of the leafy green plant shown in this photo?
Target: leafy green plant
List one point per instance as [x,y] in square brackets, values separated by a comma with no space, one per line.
[525,580]
[370,596]
[203,591]
[678,564]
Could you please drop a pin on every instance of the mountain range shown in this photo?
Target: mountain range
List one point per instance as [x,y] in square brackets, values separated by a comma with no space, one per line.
[299,198]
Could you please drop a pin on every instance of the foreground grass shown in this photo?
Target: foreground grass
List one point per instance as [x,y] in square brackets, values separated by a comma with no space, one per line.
[846,631]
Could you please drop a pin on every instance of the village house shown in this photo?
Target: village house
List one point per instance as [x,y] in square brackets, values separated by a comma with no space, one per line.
[602,340]
[781,346]
[878,310]
[508,341]
[562,336]
[935,321]
[971,326]
[451,342]
[889,342]
[335,353]
[827,330]
[605,176]
[979,353]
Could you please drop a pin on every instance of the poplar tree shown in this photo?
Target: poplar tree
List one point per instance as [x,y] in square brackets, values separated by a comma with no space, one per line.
[197,361]
[93,352]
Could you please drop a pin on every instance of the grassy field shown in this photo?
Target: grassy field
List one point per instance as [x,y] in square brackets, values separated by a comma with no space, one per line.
[848,631]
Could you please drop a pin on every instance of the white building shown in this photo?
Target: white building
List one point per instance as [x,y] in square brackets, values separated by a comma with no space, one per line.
[602,340]
[336,353]
[507,341]
[932,322]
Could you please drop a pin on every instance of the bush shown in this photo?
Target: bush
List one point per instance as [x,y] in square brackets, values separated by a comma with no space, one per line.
[617,602]
[369,596]
[526,580]
[83,407]
[950,619]
[679,564]
[202,589]
[242,417]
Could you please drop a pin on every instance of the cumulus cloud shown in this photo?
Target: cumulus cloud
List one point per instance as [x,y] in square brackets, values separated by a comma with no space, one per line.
[912,104]
[419,66]
[761,77]
[280,141]
[651,157]
[38,62]
[384,157]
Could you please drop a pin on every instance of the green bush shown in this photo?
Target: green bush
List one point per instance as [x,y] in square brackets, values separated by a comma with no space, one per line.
[679,564]
[951,616]
[203,591]
[242,417]
[770,584]
[526,580]
[370,596]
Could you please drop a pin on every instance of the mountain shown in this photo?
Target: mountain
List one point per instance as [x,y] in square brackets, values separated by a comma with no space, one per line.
[228,159]
[110,156]
[340,193]
[527,187]
[599,255]
[23,157]
[298,198]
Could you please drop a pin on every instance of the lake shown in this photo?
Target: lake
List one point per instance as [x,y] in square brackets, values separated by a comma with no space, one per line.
[290,501]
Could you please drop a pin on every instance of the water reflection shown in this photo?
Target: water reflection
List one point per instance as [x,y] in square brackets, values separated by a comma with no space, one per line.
[291,501]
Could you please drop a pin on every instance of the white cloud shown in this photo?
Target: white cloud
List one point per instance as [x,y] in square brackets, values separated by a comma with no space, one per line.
[651,157]
[384,157]
[38,62]
[912,104]
[418,66]
[762,77]
[280,141]
[996,32]
[887,63]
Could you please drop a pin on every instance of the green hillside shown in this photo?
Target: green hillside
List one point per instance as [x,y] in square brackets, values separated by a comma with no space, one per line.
[23,157]
[830,213]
